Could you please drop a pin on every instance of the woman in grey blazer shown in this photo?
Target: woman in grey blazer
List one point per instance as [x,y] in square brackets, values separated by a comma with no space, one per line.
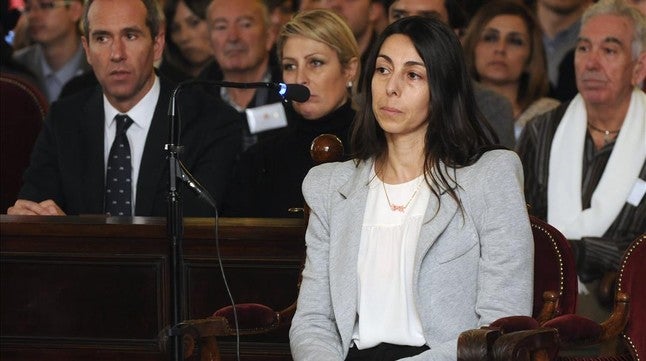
[425,234]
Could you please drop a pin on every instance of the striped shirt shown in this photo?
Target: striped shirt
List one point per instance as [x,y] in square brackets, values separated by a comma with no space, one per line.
[595,255]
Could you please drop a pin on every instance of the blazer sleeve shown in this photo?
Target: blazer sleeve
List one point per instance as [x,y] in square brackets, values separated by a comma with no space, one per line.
[506,276]
[313,334]
[495,203]
[42,178]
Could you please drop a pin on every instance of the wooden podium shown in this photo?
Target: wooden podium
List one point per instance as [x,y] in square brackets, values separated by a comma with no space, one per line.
[97,288]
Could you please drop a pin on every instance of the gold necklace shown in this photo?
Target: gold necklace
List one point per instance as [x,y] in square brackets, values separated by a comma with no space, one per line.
[606,133]
[400,208]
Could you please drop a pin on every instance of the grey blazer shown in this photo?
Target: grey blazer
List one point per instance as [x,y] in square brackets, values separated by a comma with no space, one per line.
[471,267]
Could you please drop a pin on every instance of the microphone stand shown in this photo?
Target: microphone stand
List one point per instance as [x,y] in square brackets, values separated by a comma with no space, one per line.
[174,220]
[174,229]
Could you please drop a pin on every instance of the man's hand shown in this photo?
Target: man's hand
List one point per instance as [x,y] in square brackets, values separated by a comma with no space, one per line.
[29,208]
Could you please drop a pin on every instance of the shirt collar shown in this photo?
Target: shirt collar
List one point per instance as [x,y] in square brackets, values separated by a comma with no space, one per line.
[142,113]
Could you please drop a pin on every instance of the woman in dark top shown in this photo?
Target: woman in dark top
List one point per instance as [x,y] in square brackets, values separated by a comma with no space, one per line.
[318,50]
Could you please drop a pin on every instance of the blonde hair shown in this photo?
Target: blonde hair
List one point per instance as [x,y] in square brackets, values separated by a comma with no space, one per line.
[325,27]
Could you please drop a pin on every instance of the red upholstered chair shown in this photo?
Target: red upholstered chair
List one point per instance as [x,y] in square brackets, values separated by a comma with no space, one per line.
[199,336]
[22,110]
[627,322]
[555,293]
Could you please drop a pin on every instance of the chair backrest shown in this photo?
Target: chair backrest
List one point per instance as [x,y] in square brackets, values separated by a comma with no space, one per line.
[22,111]
[554,270]
[630,280]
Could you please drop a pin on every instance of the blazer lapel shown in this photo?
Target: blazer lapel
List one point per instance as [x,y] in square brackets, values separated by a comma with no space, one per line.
[153,159]
[435,222]
[92,126]
[347,218]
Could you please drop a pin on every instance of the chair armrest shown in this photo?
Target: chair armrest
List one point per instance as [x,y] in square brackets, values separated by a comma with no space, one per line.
[476,344]
[575,330]
[539,344]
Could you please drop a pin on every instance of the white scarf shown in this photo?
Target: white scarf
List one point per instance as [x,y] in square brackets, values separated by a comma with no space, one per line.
[564,209]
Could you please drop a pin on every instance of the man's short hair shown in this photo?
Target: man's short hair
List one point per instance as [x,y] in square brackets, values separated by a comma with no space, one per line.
[154,17]
[621,8]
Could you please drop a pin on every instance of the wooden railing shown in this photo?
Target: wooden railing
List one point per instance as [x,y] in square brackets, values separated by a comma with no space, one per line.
[97,288]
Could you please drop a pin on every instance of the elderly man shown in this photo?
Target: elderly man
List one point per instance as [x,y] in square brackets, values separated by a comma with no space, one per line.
[242,38]
[496,109]
[101,151]
[585,161]
[56,55]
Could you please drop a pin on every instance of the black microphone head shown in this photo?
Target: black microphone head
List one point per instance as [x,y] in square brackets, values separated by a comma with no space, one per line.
[296,92]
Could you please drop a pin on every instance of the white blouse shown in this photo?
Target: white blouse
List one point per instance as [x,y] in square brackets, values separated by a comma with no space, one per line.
[386,309]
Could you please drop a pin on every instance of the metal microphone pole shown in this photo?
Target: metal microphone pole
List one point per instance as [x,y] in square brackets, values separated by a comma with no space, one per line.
[174,228]
[178,174]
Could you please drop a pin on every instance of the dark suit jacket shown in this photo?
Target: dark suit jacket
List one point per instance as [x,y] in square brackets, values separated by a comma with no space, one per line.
[67,163]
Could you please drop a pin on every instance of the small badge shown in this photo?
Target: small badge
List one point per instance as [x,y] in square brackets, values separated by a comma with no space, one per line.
[637,193]
[266,117]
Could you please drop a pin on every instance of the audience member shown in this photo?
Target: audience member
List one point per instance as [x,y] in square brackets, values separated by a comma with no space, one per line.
[56,55]
[426,205]
[316,49]
[496,109]
[241,38]
[188,50]
[560,21]
[280,12]
[585,162]
[504,51]
[381,19]
[449,11]
[73,167]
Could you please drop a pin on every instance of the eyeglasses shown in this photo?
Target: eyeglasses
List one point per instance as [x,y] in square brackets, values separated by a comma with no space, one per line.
[45,5]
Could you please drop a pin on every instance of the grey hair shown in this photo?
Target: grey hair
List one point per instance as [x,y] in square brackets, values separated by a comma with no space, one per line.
[621,8]
[154,17]
[264,8]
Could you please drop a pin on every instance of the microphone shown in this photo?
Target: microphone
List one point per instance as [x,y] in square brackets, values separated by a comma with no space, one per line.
[295,92]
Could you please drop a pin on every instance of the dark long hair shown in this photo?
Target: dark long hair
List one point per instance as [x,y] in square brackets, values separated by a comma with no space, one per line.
[172,53]
[455,136]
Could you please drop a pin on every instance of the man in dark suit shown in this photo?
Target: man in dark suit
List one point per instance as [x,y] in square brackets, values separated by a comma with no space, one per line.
[69,164]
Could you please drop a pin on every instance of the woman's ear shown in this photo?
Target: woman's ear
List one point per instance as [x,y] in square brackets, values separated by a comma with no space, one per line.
[351,70]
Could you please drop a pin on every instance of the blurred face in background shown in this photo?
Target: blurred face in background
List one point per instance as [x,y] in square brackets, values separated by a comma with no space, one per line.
[503,50]
[563,7]
[240,34]
[358,14]
[191,35]
[52,21]
[317,66]
[403,8]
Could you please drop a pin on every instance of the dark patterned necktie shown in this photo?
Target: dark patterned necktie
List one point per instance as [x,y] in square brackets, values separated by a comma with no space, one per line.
[118,180]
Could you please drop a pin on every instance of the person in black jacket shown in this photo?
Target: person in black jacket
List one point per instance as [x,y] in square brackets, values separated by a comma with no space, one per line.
[316,49]
[67,173]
